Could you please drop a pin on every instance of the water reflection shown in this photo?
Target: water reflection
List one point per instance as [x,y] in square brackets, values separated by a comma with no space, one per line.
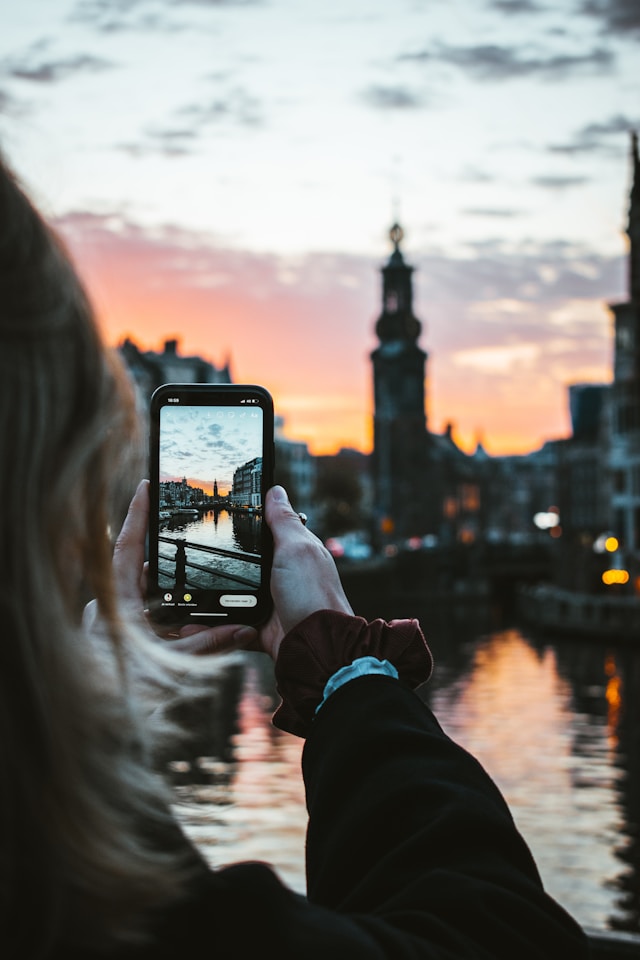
[250,806]
[555,724]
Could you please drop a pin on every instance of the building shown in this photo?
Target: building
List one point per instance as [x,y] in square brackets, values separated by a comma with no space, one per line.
[178,493]
[399,462]
[624,456]
[149,370]
[295,469]
[247,481]
[423,483]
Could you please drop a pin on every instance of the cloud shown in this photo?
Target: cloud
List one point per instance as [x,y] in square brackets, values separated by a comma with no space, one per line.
[558,182]
[506,328]
[236,104]
[51,71]
[495,62]
[392,98]
[182,133]
[54,70]
[616,16]
[500,212]
[472,174]
[595,137]
[517,6]
[116,16]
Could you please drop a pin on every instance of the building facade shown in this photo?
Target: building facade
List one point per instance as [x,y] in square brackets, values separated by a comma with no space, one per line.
[247,481]
[624,457]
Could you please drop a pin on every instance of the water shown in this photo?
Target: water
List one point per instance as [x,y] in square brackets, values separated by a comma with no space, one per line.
[238,532]
[555,724]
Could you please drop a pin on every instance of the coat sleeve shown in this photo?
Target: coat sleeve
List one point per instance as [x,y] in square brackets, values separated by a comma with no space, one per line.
[410,838]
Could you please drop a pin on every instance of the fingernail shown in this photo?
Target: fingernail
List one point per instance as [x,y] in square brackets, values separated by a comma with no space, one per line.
[279,494]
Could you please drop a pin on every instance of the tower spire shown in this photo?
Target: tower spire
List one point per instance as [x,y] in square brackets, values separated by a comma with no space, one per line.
[397,321]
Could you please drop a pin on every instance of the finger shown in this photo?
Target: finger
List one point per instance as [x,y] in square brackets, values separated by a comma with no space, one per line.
[128,554]
[215,640]
[284,522]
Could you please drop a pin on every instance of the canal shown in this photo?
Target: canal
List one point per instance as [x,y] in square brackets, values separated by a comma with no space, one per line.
[556,723]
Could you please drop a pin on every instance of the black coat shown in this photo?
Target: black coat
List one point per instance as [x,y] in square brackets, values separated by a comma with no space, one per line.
[411,853]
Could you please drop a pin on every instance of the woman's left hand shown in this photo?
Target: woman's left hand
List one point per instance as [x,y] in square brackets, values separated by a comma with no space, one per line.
[130,577]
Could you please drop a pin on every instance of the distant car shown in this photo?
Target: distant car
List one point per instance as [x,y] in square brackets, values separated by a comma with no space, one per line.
[351,546]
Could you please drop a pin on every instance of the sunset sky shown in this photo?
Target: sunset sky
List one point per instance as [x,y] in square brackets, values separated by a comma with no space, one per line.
[226,172]
[208,443]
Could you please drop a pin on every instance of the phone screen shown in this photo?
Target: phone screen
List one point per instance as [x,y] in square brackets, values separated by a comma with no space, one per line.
[211,464]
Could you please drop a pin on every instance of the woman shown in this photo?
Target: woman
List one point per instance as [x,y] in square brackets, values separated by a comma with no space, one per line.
[411,849]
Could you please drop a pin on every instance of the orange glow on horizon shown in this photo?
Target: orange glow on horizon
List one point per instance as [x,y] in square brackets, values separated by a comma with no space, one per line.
[196,483]
[308,342]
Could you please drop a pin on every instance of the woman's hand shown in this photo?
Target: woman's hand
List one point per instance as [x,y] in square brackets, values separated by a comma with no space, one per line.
[130,576]
[304,579]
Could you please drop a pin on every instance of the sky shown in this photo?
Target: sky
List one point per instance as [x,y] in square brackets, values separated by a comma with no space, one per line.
[206,444]
[226,172]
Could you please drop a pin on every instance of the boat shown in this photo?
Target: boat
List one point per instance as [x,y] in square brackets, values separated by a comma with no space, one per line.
[598,616]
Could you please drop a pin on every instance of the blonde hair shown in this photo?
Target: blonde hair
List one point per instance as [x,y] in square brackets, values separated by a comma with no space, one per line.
[87,838]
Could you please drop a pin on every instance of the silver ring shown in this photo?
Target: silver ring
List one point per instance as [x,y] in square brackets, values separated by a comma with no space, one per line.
[303,519]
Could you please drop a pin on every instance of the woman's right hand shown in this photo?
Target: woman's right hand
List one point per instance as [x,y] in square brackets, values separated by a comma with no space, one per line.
[304,577]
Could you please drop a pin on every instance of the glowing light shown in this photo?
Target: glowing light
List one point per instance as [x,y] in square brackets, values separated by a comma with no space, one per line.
[611,544]
[615,576]
[613,694]
[547,521]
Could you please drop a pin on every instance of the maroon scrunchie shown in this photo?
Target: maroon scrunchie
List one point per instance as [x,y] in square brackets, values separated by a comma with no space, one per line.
[326,641]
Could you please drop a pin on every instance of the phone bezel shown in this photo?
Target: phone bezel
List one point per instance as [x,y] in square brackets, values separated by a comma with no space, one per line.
[208,395]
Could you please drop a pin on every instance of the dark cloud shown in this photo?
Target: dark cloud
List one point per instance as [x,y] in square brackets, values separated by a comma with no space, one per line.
[392,98]
[539,273]
[517,6]
[596,137]
[616,16]
[558,182]
[52,71]
[495,62]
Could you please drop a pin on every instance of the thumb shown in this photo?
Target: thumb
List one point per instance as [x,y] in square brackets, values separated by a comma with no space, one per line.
[280,515]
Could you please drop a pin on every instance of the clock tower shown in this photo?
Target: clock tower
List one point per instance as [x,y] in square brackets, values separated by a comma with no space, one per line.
[399,423]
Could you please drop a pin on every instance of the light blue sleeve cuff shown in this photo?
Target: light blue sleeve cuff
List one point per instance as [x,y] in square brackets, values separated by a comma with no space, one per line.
[361,667]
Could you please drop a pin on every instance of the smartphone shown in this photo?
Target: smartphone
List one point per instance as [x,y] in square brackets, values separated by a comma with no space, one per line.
[211,463]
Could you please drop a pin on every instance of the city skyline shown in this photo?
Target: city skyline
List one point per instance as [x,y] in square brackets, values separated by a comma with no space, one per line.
[226,172]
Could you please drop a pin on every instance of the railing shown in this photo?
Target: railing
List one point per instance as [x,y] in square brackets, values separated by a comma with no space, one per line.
[181,562]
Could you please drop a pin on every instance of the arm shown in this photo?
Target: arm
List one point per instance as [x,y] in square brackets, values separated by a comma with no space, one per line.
[409,833]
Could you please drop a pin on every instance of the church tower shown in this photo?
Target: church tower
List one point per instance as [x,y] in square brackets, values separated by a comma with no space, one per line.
[399,424]
[625,427]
